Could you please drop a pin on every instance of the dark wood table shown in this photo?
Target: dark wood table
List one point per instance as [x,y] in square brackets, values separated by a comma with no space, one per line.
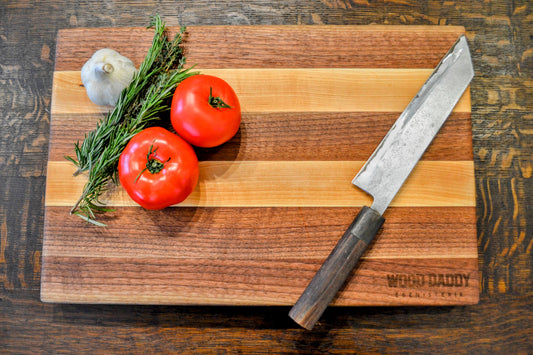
[500,36]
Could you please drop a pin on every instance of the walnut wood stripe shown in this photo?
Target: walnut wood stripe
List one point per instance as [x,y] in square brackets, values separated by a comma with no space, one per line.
[293,136]
[287,90]
[273,46]
[292,183]
[258,233]
[190,281]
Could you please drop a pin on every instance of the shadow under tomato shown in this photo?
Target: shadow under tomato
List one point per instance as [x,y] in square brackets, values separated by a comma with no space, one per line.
[228,151]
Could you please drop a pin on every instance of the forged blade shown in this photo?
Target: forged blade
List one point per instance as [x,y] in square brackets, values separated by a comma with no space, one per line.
[393,160]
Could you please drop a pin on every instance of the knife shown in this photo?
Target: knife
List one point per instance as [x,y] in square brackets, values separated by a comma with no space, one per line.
[384,174]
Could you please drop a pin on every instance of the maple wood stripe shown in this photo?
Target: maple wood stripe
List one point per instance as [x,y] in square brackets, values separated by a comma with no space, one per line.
[293,136]
[288,90]
[273,46]
[248,282]
[258,233]
[288,183]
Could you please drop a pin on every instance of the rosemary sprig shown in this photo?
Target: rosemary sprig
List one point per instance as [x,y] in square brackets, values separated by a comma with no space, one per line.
[138,107]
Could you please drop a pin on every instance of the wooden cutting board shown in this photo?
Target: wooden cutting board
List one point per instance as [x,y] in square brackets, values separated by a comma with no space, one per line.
[272,202]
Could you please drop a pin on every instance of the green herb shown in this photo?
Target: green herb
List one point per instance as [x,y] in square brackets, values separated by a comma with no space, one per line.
[138,107]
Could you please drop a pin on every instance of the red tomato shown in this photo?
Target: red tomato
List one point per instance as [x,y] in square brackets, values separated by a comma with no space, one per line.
[205,111]
[158,169]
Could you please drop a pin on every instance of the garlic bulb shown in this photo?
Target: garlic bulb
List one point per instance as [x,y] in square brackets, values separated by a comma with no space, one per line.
[105,75]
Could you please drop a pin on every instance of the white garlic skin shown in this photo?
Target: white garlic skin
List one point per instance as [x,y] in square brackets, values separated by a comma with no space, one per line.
[105,75]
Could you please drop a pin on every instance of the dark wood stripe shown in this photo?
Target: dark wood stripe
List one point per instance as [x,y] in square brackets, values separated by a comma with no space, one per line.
[272,46]
[257,233]
[145,280]
[294,136]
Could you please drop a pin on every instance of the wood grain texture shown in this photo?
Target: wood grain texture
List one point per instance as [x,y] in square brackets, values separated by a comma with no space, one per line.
[252,47]
[287,90]
[241,185]
[119,329]
[499,33]
[287,183]
[245,282]
[277,237]
[299,136]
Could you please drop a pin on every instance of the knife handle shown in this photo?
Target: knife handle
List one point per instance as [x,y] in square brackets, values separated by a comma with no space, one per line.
[334,271]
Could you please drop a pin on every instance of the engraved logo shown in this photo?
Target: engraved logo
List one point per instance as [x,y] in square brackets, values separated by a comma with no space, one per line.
[428,285]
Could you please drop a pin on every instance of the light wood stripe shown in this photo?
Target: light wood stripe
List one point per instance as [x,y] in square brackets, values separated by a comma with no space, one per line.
[288,90]
[289,183]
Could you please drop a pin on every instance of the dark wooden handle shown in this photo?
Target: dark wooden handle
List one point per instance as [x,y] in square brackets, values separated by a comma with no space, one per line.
[334,271]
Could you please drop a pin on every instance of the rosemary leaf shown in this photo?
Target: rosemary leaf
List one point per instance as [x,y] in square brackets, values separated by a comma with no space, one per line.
[139,106]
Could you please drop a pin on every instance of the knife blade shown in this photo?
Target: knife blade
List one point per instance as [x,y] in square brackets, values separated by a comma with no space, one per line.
[384,174]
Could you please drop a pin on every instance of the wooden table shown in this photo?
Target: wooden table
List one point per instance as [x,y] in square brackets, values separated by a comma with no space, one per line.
[499,35]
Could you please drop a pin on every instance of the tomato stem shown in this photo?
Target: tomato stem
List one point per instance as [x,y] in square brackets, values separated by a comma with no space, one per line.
[153,165]
[216,102]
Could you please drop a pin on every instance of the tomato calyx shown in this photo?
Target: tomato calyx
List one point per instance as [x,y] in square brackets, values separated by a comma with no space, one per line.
[216,102]
[153,165]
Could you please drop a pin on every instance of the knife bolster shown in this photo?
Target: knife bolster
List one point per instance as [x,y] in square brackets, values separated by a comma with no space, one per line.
[366,225]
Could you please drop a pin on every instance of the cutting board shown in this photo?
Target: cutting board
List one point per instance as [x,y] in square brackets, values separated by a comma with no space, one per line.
[272,202]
